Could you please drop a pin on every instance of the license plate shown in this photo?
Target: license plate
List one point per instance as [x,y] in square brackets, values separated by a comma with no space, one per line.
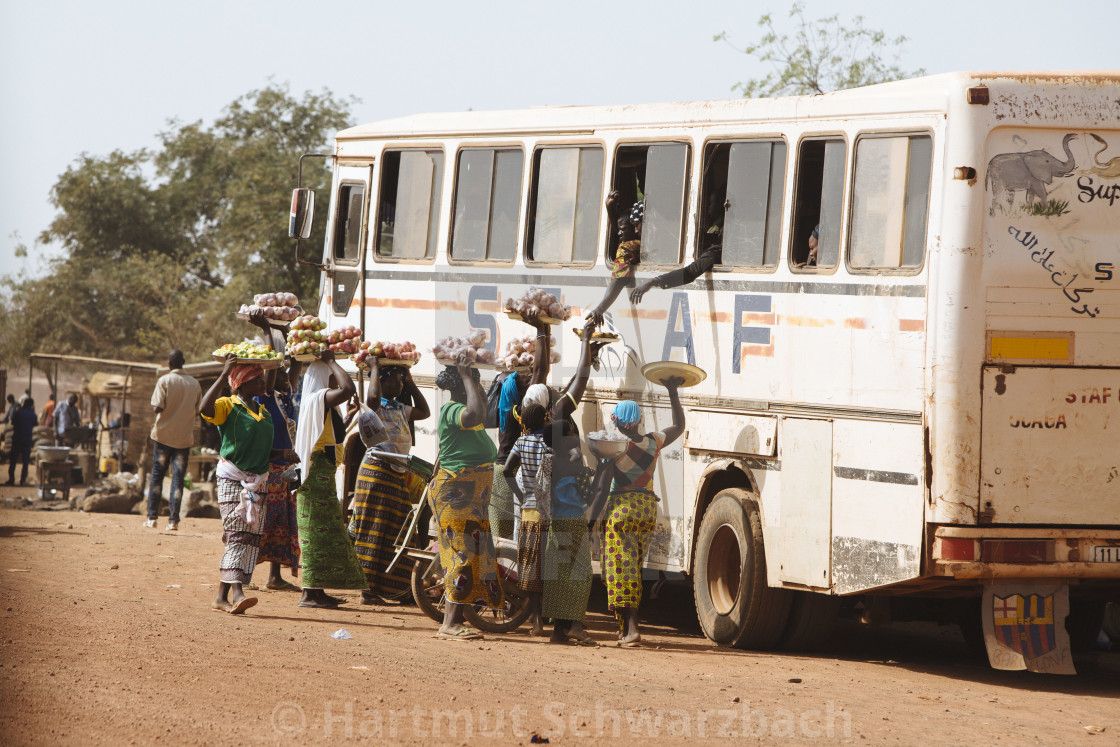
[1106,554]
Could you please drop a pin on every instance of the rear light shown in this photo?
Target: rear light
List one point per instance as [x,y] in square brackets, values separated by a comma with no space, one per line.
[957,549]
[1017,551]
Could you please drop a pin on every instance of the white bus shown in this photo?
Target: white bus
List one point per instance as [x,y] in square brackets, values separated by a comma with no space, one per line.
[930,410]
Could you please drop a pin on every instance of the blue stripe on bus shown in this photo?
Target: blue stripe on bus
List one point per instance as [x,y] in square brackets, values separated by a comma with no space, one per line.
[874,475]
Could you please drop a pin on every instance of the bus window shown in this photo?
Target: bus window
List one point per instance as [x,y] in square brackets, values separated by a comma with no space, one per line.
[348,224]
[890,199]
[657,174]
[487,205]
[565,204]
[818,203]
[408,218]
[742,202]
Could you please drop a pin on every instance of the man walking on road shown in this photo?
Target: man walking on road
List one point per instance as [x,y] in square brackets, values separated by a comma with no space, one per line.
[23,421]
[175,399]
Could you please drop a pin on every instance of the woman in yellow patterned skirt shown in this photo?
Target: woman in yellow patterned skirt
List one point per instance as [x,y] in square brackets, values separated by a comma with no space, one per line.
[386,490]
[631,510]
[460,495]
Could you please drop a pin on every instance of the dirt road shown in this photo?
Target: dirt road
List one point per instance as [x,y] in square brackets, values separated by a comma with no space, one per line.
[108,638]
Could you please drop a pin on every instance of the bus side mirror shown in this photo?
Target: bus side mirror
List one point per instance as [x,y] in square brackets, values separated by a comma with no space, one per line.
[303,213]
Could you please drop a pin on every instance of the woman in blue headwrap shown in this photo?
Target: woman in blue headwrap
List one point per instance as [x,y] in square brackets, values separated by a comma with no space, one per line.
[631,509]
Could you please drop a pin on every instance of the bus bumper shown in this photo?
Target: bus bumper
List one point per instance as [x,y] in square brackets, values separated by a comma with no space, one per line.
[987,553]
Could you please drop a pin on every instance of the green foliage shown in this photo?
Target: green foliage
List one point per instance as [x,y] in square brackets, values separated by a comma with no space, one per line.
[1049,208]
[819,56]
[160,248]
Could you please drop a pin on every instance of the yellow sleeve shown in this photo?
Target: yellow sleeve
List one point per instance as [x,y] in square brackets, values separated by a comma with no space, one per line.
[223,406]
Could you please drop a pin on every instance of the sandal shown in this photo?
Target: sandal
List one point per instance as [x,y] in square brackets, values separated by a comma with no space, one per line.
[284,586]
[319,605]
[462,634]
[241,605]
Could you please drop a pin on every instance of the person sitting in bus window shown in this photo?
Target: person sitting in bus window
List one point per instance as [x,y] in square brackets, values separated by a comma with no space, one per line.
[814,240]
[626,257]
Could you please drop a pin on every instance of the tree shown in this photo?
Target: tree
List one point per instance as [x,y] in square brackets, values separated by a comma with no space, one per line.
[160,247]
[819,56]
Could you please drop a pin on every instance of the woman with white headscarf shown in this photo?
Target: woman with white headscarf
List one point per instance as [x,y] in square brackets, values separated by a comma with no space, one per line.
[631,509]
[326,554]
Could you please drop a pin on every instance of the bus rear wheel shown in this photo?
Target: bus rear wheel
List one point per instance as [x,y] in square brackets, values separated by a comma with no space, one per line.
[733,602]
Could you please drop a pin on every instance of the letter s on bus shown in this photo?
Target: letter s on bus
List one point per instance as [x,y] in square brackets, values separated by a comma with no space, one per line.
[1104,270]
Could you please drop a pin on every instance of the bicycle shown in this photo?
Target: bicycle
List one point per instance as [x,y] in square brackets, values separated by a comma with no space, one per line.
[427,575]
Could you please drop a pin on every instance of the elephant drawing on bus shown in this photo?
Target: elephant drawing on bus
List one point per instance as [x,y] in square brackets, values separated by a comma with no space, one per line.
[1029,172]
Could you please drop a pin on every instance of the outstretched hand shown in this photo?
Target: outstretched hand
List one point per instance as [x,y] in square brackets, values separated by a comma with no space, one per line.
[594,318]
[637,293]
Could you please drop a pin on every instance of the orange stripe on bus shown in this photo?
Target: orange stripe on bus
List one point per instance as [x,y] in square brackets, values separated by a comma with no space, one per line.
[643,313]
[756,351]
[770,319]
[719,317]
[911,325]
[855,324]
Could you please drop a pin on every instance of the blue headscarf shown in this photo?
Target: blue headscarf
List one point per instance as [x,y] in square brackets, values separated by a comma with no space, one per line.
[626,414]
[508,398]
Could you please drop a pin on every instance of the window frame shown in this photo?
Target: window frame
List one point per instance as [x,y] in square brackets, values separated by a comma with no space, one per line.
[530,204]
[686,203]
[518,247]
[435,246]
[791,234]
[899,271]
[785,215]
[334,258]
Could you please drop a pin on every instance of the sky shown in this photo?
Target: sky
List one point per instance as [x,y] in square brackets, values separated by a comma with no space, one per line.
[94,77]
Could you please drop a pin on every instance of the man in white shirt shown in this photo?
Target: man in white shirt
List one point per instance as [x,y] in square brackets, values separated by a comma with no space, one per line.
[175,399]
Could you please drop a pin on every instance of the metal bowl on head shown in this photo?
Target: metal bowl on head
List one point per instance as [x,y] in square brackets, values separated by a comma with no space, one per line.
[606,449]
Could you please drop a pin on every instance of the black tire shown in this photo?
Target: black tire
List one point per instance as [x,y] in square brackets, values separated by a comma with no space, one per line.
[1084,624]
[733,602]
[512,615]
[427,588]
[812,618]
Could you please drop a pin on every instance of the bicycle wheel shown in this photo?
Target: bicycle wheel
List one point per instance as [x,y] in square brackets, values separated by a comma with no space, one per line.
[506,619]
[427,587]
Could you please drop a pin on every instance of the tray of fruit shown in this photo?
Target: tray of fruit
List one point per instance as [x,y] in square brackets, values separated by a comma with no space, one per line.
[387,354]
[541,302]
[246,353]
[598,335]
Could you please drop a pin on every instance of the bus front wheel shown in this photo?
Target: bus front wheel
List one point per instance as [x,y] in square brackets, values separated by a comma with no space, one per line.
[733,602]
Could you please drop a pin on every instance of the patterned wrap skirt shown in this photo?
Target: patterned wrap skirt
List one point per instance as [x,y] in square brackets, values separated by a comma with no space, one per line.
[382,499]
[501,505]
[280,539]
[460,504]
[567,569]
[530,550]
[631,519]
[242,541]
[328,557]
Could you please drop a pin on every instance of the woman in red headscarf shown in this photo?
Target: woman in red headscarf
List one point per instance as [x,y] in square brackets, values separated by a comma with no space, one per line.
[246,431]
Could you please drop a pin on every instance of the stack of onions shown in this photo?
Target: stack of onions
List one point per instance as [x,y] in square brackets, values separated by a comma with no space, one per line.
[473,344]
[519,352]
[279,306]
[538,301]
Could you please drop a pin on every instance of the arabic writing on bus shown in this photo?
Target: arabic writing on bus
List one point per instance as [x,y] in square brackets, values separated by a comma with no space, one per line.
[1059,276]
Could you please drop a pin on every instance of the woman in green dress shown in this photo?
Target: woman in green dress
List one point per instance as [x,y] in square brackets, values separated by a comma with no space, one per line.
[460,495]
[326,553]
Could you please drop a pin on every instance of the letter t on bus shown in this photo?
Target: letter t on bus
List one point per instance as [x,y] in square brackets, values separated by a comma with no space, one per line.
[749,334]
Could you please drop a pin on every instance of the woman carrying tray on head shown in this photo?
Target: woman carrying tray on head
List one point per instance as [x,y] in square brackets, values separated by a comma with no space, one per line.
[280,535]
[327,555]
[246,432]
[460,496]
[631,509]
[386,490]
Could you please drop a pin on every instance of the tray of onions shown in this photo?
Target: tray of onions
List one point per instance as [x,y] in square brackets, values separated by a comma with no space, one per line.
[473,345]
[538,301]
[278,308]
[519,353]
